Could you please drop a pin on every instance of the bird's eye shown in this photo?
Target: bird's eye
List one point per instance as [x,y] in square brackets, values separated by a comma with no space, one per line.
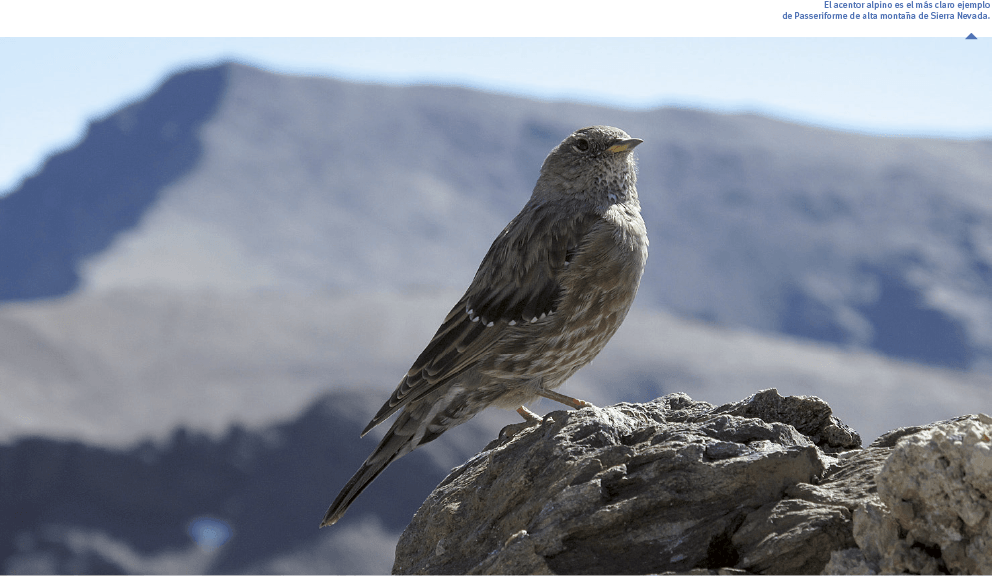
[581,145]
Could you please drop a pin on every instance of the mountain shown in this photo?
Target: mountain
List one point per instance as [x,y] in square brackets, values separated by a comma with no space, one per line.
[84,197]
[205,300]
[235,178]
[87,509]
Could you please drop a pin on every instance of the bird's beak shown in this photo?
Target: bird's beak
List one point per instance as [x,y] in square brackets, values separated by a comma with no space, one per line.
[624,145]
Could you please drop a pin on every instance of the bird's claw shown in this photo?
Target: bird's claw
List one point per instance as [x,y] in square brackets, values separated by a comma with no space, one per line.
[511,430]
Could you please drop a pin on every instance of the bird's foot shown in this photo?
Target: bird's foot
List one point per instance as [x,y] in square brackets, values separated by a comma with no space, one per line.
[511,430]
[530,420]
[566,400]
[528,416]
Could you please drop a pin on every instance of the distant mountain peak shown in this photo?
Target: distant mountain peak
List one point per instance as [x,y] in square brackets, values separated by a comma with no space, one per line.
[84,197]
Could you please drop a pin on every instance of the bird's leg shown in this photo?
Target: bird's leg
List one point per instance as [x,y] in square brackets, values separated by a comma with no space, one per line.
[566,400]
[528,415]
[530,419]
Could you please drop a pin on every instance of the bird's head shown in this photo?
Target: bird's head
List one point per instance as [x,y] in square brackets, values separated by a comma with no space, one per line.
[593,164]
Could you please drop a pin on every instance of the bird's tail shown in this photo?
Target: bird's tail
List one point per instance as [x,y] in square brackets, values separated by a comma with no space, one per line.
[397,442]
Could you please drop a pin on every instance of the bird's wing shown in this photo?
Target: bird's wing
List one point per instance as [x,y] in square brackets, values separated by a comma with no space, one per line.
[517,282]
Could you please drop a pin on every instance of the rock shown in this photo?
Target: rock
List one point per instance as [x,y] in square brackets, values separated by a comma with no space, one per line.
[849,482]
[670,485]
[850,561]
[770,484]
[934,507]
[809,415]
[792,536]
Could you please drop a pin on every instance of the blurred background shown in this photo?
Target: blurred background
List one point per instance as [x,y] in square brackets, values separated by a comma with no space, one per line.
[218,256]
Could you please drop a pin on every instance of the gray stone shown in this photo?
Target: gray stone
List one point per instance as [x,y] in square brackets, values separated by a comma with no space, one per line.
[934,513]
[809,415]
[849,482]
[670,485]
[792,536]
[768,485]
[849,561]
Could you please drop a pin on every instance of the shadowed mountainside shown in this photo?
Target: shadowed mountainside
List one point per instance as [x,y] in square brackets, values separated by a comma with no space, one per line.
[84,197]
[87,509]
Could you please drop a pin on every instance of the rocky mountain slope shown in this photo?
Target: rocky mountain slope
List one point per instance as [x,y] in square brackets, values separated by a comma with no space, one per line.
[239,179]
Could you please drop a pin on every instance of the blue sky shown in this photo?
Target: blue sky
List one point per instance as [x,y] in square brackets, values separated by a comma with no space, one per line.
[933,86]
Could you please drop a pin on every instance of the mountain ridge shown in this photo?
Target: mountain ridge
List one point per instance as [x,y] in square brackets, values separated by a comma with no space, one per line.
[316,184]
[74,205]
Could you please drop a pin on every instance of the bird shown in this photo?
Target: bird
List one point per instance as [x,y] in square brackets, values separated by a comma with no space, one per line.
[551,291]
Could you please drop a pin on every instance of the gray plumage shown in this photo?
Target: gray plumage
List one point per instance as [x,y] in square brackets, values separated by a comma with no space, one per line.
[552,290]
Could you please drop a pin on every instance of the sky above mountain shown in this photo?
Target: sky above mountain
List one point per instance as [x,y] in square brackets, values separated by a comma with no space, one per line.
[891,86]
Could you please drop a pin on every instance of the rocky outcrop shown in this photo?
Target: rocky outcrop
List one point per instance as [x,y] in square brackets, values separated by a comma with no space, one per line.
[933,513]
[770,484]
